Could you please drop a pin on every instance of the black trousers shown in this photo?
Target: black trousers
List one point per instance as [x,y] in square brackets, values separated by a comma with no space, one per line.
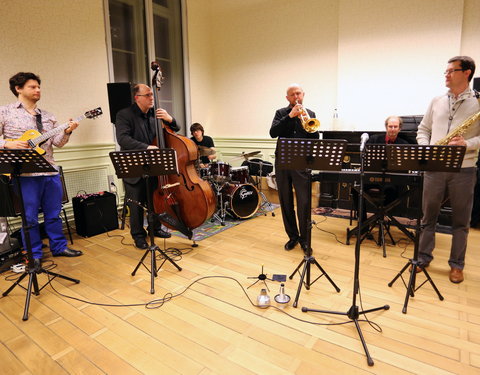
[138,192]
[287,179]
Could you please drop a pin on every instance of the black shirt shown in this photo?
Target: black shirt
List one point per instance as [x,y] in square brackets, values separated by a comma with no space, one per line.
[205,142]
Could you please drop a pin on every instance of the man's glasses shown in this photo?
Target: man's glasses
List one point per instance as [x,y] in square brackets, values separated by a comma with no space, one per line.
[147,95]
[447,72]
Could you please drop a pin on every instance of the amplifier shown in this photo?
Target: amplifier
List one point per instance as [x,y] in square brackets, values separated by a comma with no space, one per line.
[95,213]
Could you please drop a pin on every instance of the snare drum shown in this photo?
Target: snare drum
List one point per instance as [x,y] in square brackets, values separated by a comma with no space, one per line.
[220,171]
[241,200]
[240,175]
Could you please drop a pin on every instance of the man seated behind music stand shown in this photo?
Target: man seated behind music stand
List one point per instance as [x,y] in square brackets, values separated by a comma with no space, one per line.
[393,126]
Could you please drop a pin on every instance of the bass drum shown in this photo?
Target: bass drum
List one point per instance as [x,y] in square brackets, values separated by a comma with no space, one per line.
[241,200]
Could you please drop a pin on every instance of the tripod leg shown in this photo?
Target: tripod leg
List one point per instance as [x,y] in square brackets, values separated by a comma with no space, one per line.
[440,297]
[364,344]
[169,259]
[296,269]
[31,281]
[15,284]
[410,288]
[153,270]
[399,274]
[76,281]
[300,284]
[326,275]
[382,234]
[141,262]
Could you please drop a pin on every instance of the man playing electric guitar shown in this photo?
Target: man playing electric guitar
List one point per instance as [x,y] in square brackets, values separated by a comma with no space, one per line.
[39,190]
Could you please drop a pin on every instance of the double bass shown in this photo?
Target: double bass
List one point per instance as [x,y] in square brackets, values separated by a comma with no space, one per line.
[183,196]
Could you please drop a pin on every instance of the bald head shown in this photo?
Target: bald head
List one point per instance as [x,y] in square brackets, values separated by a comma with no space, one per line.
[295,94]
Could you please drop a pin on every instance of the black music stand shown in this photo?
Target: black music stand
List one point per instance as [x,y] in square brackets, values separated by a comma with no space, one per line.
[430,158]
[308,154]
[16,162]
[353,313]
[147,163]
[376,161]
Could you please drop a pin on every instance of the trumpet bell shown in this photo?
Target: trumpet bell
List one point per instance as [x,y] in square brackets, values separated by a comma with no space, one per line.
[311,125]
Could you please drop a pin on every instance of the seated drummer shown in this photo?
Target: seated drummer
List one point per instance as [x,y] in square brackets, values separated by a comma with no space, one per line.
[204,143]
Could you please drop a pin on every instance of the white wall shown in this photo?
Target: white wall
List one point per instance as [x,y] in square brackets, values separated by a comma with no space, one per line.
[63,41]
[368,58]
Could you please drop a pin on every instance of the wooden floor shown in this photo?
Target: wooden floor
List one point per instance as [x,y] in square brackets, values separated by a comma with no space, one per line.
[212,328]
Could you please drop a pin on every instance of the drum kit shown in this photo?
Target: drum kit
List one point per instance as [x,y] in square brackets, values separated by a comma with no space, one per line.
[236,195]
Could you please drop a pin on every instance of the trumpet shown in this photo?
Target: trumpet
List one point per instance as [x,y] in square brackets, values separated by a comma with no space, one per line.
[311,125]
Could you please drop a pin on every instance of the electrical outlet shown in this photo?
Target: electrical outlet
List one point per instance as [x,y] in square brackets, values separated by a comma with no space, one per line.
[111,184]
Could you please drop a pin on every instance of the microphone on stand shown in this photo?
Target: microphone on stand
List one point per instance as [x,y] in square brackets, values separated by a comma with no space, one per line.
[363,140]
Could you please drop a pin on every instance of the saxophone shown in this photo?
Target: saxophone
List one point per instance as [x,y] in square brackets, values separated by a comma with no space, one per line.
[460,130]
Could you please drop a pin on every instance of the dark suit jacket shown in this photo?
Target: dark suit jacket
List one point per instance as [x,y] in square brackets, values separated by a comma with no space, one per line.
[132,134]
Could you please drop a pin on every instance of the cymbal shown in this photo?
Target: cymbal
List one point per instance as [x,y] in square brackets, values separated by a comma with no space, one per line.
[206,151]
[246,155]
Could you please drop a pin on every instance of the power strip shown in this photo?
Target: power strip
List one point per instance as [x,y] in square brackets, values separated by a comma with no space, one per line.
[18,268]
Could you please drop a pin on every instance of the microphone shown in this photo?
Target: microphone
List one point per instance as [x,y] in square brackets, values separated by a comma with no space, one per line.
[363,140]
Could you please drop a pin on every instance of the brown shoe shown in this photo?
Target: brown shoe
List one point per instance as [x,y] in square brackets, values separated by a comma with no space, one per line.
[456,275]
[418,268]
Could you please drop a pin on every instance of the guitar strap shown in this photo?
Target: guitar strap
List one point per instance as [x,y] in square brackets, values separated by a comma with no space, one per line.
[39,122]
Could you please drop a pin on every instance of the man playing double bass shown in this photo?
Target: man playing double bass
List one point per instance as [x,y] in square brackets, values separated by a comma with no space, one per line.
[135,130]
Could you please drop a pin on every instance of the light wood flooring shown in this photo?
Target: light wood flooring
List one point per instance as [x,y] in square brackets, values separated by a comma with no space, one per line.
[212,328]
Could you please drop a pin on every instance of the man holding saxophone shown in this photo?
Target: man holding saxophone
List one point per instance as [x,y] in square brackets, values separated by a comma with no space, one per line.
[455,117]
[291,122]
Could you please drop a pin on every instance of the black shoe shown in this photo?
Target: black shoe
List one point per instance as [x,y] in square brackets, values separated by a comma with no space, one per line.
[37,265]
[141,243]
[304,247]
[162,234]
[290,244]
[68,253]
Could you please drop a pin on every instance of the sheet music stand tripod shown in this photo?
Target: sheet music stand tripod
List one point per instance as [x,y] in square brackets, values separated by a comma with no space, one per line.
[376,161]
[431,158]
[308,154]
[147,163]
[353,313]
[16,162]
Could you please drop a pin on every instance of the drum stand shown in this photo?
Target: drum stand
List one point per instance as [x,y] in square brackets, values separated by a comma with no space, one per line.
[222,210]
[258,185]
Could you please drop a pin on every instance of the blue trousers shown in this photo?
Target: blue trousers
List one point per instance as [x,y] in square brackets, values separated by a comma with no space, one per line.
[45,193]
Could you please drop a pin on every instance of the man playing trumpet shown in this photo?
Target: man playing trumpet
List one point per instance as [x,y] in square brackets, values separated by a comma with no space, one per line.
[288,124]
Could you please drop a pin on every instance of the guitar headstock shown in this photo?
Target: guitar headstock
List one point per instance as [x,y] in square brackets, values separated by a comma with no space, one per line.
[94,113]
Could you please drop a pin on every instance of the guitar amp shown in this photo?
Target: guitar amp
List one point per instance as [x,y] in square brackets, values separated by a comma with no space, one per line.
[95,213]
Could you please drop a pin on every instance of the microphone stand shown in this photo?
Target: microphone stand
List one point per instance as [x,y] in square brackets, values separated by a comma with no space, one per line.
[353,313]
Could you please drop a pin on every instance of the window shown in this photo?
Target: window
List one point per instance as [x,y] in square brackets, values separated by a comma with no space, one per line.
[133,47]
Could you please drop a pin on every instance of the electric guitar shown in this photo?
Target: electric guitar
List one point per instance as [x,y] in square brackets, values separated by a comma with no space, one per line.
[34,138]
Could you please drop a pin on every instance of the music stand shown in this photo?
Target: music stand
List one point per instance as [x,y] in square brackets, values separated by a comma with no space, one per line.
[353,313]
[147,163]
[430,158]
[376,161]
[308,154]
[16,162]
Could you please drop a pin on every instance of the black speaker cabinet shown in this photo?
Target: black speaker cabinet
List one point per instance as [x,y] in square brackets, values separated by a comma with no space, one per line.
[95,213]
[119,97]
[476,83]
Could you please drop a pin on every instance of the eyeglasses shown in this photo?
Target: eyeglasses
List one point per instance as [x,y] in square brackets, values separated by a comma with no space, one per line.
[447,72]
[147,95]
